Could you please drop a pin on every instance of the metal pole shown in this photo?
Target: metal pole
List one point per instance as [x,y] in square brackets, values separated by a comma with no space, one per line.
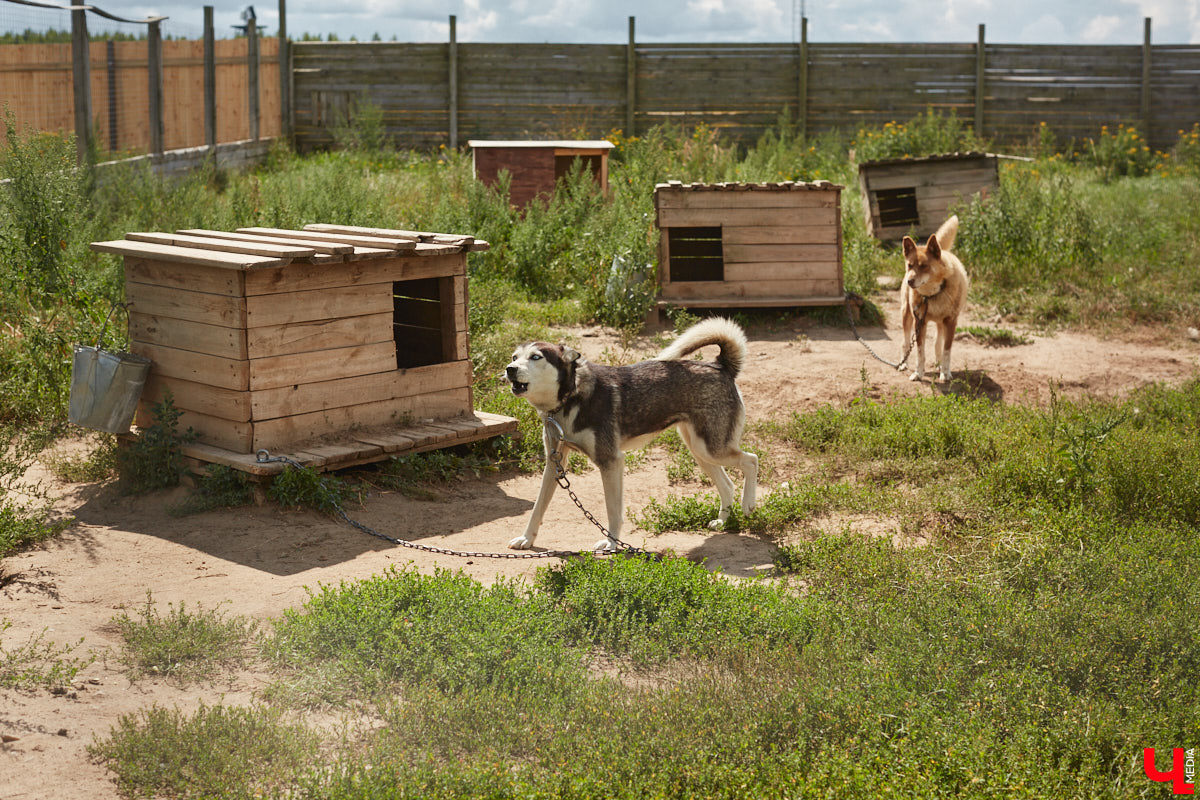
[285,76]
[210,80]
[453,82]
[1146,81]
[155,70]
[631,80]
[252,73]
[802,89]
[980,74]
[82,77]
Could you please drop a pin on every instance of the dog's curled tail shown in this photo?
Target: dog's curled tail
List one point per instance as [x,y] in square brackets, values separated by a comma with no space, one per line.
[947,233]
[717,330]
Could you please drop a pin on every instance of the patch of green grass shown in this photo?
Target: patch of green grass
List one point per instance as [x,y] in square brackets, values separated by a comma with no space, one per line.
[418,474]
[97,464]
[994,337]
[155,460]
[38,662]
[218,751]
[304,487]
[185,645]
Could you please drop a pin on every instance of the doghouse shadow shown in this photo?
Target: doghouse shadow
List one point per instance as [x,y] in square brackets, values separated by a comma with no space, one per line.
[972,384]
[740,555]
[286,542]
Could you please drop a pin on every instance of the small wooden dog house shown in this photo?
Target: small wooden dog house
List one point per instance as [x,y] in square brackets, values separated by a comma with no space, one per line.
[334,345]
[535,167]
[903,195]
[749,244]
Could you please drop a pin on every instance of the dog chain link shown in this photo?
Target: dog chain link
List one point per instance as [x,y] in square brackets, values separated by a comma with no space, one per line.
[908,346]
[265,457]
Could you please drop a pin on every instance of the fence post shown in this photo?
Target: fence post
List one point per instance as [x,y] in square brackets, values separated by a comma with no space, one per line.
[82,77]
[155,70]
[631,80]
[252,72]
[210,80]
[802,83]
[110,63]
[1146,81]
[980,67]
[453,77]
[285,77]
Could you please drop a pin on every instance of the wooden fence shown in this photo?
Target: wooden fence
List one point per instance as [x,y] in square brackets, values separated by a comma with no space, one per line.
[499,91]
[36,86]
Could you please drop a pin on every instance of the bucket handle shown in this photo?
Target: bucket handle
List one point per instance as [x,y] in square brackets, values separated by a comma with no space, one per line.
[107,319]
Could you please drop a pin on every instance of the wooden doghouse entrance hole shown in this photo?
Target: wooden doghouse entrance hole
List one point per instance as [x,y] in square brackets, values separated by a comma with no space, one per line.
[696,254]
[420,325]
[898,207]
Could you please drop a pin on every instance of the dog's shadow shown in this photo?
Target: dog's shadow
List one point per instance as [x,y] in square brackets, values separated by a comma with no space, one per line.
[972,384]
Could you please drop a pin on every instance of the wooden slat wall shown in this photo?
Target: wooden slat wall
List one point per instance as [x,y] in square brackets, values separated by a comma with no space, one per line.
[1074,89]
[547,90]
[35,84]
[410,82]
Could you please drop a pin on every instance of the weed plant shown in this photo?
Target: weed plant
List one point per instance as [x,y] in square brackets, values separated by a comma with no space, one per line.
[38,662]
[304,487]
[218,486]
[155,460]
[185,645]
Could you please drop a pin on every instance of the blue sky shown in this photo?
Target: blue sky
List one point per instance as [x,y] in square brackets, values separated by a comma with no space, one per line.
[605,21]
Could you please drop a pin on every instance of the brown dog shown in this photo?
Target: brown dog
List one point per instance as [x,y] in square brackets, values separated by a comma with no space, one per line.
[934,290]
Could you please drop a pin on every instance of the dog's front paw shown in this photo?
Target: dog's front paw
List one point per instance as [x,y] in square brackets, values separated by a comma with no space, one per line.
[521,543]
[605,546]
[716,525]
[916,376]
[946,376]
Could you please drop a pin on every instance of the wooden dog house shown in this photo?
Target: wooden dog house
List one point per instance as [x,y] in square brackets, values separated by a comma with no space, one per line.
[903,195]
[334,345]
[535,167]
[749,244]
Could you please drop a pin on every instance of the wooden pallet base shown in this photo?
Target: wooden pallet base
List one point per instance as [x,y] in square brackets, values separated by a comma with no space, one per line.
[749,302]
[363,447]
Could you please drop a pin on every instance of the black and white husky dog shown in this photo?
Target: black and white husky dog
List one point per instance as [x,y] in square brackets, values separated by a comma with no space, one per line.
[604,411]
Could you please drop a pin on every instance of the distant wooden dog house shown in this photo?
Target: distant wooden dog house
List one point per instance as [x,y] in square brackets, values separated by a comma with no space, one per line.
[535,167]
[749,244]
[334,345]
[903,195]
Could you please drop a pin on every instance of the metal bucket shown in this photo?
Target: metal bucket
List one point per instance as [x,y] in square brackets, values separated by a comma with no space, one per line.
[105,388]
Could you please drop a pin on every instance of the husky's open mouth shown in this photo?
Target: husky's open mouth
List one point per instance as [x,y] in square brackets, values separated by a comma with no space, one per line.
[518,387]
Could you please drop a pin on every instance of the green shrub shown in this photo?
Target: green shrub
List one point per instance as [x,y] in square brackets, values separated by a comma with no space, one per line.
[304,487]
[155,460]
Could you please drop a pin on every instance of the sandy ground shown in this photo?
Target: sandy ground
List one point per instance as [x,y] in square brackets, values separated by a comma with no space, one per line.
[258,561]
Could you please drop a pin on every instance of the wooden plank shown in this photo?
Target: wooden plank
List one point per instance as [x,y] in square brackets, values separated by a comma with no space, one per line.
[749,289]
[380,242]
[192,396]
[171,362]
[215,340]
[789,234]
[325,365]
[244,462]
[303,337]
[225,245]
[752,302]
[286,431]
[309,306]
[211,309]
[299,276]
[391,233]
[325,247]
[226,434]
[774,198]
[387,442]
[186,255]
[302,398]
[341,452]
[185,276]
[750,253]
[746,217]
[787,271]
[907,179]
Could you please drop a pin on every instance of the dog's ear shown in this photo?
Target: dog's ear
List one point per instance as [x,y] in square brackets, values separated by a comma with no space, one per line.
[932,248]
[910,247]
[570,356]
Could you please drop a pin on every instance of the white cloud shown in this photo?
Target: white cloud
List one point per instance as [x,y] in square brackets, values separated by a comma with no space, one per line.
[1102,28]
[1046,29]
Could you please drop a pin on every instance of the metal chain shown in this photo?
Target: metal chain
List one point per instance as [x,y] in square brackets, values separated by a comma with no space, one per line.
[908,346]
[265,457]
